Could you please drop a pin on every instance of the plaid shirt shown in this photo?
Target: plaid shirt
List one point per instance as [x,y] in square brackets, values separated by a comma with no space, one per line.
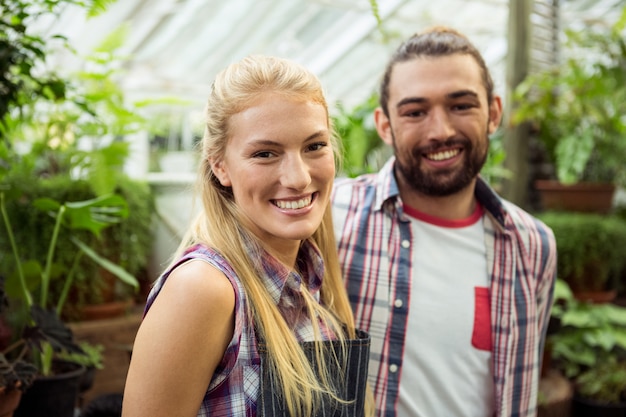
[375,243]
[235,386]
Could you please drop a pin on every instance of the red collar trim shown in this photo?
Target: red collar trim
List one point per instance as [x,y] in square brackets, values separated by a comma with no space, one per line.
[450,223]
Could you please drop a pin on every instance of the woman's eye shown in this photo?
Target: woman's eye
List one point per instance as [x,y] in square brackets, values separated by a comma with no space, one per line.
[262,154]
[317,146]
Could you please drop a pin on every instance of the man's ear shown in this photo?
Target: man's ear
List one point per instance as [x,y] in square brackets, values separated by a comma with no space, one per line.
[383,126]
[217,166]
[495,114]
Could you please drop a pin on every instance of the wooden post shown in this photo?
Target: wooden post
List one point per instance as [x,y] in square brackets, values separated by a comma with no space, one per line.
[515,189]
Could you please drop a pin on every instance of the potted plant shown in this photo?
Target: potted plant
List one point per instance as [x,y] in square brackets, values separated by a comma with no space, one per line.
[576,110]
[74,146]
[589,348]
[38,333]
[591,254]
[91,357]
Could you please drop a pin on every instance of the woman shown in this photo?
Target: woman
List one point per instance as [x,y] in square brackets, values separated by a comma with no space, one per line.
[252,319]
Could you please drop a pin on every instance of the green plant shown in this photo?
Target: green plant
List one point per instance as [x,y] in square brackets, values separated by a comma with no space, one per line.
[604,383]
[494,171]
[127,243]
[362,149]
[90,355]
[589,346]
[24,53]
[590,248]
[81,135]
[73,145]
[578,107]
[38,330]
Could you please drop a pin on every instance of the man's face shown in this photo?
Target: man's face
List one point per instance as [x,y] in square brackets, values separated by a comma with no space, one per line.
[439,123]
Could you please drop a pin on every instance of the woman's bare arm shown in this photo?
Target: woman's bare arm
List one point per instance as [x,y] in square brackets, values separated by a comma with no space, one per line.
[180,342]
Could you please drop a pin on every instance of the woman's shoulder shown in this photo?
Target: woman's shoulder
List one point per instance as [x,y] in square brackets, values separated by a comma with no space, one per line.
[201,270]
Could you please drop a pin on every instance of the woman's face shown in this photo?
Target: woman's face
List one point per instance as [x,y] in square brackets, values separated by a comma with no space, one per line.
[279,162]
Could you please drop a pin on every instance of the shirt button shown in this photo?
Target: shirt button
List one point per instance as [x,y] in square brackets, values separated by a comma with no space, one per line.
[398,303]
[405,244]
[393,368]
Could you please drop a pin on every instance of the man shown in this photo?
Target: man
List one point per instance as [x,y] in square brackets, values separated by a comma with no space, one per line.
[453,283]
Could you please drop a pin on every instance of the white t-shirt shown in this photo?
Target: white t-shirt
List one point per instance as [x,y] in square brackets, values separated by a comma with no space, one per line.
[447,367]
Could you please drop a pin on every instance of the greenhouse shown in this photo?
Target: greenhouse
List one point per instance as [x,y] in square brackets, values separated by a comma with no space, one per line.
[103,112]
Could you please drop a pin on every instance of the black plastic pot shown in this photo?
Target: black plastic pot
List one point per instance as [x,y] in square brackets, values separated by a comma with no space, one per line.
[52,396]
[582,407]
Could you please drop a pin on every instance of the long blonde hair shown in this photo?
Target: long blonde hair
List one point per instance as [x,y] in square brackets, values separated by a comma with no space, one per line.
[218,225]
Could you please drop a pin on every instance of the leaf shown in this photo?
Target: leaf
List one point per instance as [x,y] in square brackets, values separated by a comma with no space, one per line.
[572,153]
[116,270]
[46,204]
[32,271]
[93,215]
[49,328]
[602,338]
[562,291]
[615,314]
[19,374]
[577,318]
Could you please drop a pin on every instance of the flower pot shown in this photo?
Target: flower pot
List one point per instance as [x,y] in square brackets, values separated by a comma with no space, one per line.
[52,396]
[106,310]
[583,407]
[588,197]
[9,401]
[596,297]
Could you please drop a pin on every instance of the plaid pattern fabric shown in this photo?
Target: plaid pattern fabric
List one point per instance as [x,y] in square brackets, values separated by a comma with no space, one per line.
[235,387]
[374,243]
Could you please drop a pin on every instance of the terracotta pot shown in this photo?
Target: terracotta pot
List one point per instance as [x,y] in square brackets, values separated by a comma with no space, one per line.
[9,401]
[596,297]
[586,197]
[105,310]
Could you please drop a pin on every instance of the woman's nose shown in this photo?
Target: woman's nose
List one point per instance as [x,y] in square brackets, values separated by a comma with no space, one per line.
[295,173]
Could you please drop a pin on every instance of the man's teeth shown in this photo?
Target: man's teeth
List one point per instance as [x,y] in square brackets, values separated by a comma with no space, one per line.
[440,156]
[292,205]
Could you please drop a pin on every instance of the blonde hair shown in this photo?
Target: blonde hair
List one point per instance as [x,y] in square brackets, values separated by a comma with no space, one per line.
[218,225]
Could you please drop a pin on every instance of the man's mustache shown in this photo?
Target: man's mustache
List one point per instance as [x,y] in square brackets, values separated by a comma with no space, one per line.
[434,147]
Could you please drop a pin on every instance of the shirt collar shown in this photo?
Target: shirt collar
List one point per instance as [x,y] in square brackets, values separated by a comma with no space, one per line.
[388,191]
[277,276]
[387,186]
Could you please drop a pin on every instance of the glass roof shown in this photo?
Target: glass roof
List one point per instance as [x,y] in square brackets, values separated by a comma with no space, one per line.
[175,47]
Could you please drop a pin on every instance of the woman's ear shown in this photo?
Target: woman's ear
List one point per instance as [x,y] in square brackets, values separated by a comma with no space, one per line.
[220,172]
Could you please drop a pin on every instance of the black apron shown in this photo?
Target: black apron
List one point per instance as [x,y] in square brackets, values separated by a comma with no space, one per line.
[350,383]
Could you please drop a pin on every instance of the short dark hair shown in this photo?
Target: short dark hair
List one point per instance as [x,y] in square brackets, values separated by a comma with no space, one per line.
[433,42]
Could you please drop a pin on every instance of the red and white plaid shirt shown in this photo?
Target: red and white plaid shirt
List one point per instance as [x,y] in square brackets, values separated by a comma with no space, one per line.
[374,242]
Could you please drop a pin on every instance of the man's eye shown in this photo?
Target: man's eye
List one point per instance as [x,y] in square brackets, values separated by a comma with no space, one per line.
[414,113]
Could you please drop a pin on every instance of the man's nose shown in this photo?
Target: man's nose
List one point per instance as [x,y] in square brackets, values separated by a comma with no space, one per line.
[440,125]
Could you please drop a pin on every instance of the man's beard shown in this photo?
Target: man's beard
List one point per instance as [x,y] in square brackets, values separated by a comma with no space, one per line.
[443,182]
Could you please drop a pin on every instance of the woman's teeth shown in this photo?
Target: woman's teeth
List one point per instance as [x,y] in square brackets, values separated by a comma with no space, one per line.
[292,205]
